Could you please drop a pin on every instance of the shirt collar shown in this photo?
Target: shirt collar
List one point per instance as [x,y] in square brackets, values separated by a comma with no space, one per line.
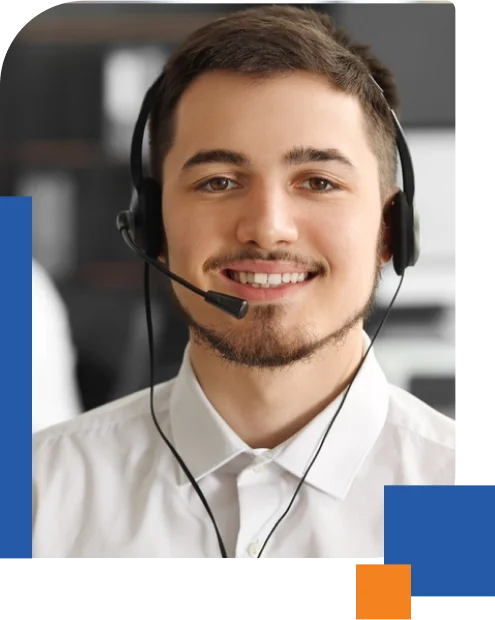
[201,436]
[352,436]
[206,442]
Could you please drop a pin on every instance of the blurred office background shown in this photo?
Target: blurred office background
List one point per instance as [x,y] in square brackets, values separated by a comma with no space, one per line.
[72,83]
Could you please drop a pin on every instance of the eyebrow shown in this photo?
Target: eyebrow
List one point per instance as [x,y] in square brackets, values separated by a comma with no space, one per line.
[305,155]
[296,156]
[216,156]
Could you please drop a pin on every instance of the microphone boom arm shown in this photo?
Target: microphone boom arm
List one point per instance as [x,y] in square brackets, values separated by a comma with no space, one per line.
[234,306]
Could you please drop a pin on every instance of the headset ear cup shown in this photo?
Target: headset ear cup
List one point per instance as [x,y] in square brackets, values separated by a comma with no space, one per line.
[401,228]
[416,239]
[147,215]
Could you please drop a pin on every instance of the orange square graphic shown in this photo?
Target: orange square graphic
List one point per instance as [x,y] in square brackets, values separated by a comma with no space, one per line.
[383,592]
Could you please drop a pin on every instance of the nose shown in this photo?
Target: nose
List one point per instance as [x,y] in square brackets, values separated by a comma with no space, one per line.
[267,219]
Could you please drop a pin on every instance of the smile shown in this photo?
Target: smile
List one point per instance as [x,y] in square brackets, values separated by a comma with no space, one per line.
[259,286]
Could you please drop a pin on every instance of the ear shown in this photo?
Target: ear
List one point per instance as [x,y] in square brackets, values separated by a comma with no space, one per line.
[387,238]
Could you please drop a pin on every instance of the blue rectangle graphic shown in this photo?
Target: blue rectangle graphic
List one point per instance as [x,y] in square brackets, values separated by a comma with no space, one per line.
[15,377]
[447,534]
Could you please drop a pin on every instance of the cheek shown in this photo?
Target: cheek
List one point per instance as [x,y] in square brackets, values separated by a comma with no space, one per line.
[192,238]
[177,232]
[348,244]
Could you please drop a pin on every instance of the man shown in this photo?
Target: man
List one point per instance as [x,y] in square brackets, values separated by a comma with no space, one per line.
[275,152]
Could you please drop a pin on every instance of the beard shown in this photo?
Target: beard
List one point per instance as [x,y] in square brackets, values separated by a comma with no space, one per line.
[266,344]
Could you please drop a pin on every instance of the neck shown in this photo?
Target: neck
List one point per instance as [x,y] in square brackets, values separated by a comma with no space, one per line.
[265,407]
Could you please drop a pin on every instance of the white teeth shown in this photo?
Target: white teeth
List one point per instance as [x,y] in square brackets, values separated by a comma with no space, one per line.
[267,280]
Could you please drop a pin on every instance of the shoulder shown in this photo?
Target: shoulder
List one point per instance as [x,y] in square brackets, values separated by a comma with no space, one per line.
[412,416]
[88,471]
[106,425]
[423,440]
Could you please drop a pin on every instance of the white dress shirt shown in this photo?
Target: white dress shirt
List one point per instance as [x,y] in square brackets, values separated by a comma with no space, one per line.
[107,485]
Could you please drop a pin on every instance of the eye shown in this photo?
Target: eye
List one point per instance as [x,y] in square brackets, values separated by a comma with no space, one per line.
[319,185]
[217,184]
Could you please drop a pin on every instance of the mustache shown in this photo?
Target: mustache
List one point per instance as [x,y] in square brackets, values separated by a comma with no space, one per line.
[219,262]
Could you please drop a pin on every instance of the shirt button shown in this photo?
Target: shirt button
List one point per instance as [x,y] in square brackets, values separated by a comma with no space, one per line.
[253,550]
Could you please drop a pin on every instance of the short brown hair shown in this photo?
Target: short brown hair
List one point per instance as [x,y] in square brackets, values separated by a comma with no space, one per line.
[273,40]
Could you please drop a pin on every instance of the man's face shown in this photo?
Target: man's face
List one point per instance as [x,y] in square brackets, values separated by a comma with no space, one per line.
[272,181]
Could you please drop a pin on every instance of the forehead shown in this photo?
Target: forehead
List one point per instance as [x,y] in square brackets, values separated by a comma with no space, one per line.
[266,117]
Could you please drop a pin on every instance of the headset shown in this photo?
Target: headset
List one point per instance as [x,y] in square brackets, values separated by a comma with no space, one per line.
[141,227]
